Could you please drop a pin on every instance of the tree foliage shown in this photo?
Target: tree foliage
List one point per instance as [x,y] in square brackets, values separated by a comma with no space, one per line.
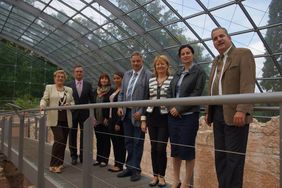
[22,73]
[274,40]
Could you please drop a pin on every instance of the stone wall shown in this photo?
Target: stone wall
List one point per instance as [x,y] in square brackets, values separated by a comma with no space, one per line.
[262,157]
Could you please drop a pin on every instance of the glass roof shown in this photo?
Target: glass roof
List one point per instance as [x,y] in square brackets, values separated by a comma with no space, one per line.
[101,34]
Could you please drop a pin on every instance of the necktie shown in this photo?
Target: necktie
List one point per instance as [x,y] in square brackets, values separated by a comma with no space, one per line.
[218,72]
[79,88]
[131,87]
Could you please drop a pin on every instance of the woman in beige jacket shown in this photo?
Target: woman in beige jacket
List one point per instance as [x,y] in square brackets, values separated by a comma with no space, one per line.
[59,120]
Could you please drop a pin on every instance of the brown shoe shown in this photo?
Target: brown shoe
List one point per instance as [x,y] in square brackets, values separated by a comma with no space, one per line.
[55,169]
[115,169]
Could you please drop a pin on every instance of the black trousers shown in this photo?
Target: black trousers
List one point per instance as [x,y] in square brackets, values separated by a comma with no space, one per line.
[158,131]
[73,138]
[117,138]
[103,143]
[159,138]
[60,133]
[230,148]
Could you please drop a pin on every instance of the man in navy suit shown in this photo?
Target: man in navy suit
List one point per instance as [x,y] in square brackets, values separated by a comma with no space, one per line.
[82,94]
[135,86]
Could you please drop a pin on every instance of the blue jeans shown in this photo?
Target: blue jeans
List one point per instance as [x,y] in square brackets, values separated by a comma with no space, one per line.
[134,143]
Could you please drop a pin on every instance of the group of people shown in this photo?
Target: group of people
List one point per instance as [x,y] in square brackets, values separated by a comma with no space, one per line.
[232,72]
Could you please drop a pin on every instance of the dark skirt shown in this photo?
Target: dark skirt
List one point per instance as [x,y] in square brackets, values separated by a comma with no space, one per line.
[182,133]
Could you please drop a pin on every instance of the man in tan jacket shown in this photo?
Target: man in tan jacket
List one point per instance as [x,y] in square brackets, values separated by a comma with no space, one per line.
[232,72]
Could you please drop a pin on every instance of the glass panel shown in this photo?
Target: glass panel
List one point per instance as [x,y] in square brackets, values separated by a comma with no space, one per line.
[163,38]
[232,18]
[251,41]
[85,22]
[259,66]
[78,5]
[103,10]
[23,15]
[58,15]
[94,16]
[112,51]
[214,3]
[115,31]
[11,32]
[62,8]
[125,5]
[185,9]
[5,6]
[269,70]
[123,26]
[63,35]
[43,23]
[99,36]
[202,25]
[210,45]
[258,10]
[143,19]
[17,25]
[161,12]
[181,32]
[37,4]
[272,37]
[77,27]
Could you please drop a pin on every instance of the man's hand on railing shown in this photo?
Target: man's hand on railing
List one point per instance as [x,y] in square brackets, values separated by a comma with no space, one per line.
[137,116]
[117,127]
[174,112]
[42,108]
[93,120]
[206,120]
[144,126]
[120,112]
[239,119]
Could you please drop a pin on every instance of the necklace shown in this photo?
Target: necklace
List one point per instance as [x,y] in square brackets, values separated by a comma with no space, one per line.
[62,96]
[161,80]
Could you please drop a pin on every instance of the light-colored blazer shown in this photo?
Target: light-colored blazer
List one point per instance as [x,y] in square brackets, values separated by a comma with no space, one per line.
[140,92]
[51,99]
[239,76]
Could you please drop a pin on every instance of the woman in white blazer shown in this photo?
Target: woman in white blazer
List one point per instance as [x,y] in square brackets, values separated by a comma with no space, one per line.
[59,120]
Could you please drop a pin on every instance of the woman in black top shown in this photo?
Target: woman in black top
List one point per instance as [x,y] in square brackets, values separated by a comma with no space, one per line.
[183,121]
[103,144]
[116,128]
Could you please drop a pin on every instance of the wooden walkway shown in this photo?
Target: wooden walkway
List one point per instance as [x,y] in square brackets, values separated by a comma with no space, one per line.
[72,175]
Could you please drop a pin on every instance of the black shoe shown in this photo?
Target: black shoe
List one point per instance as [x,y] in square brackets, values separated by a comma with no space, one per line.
[153,183]
[96,163]
[81,160]
[135,177]
[74,161]
[179,185]
[124,173]
[103,164]
[162,184]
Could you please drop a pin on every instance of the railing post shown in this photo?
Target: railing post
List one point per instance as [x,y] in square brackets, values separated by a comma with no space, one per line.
[41,153]
[21,142]
[2,133]
[10,123]
[280,143]
[87,150]
[46,133]
[35,127]
[28,127]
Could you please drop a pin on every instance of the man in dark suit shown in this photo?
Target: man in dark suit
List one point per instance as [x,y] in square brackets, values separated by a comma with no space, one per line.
[82,94]
[135,86]
[232,72]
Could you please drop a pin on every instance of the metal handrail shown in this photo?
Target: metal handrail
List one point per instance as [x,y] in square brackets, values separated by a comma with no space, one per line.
[261,98]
